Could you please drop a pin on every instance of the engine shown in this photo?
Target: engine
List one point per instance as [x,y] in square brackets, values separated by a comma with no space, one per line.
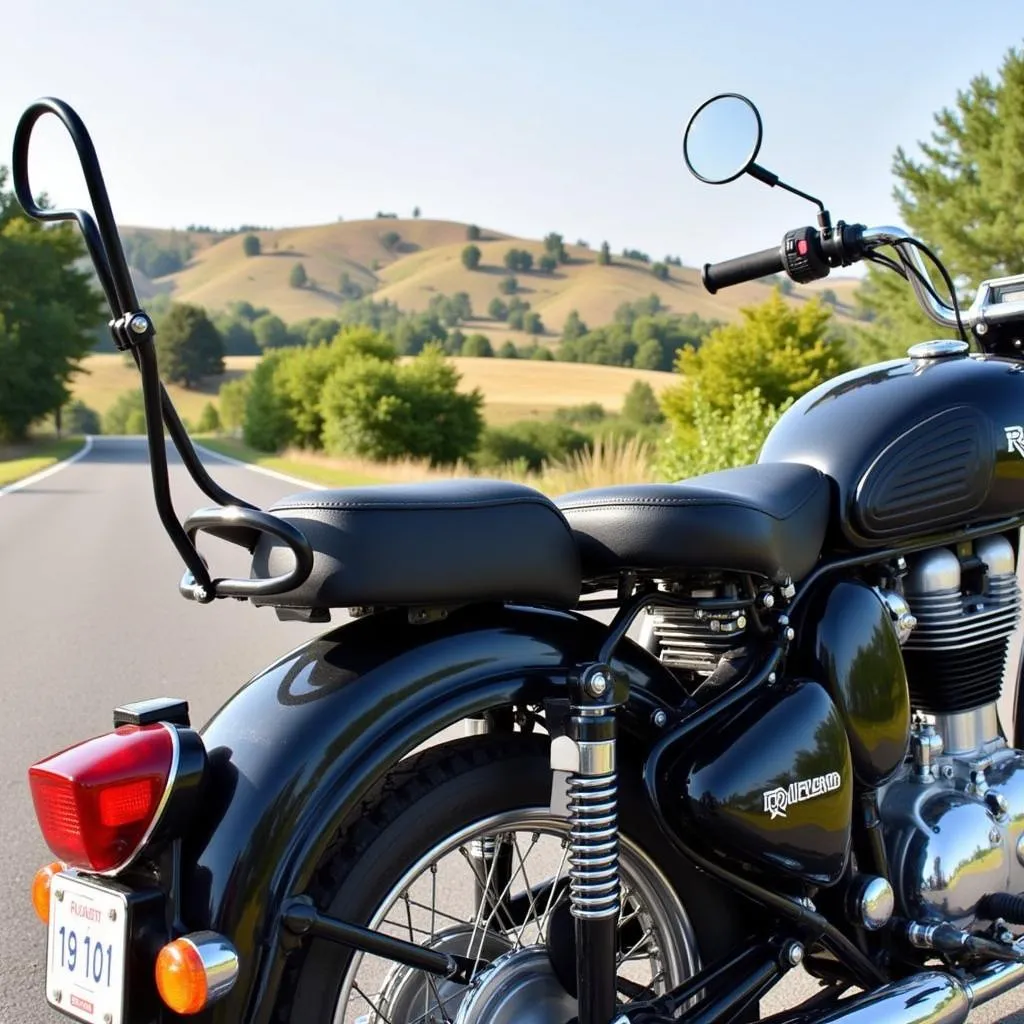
[954,817]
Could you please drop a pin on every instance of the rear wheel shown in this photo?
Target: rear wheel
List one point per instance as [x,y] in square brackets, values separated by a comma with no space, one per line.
[457,850]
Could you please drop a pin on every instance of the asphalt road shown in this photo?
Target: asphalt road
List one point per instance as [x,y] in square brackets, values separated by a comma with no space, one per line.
[90,618]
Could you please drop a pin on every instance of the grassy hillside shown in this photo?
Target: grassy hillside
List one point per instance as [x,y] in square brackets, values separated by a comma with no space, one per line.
[426,262]
[513,389]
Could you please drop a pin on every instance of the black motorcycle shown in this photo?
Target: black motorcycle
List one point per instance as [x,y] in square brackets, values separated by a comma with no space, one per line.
[795,757]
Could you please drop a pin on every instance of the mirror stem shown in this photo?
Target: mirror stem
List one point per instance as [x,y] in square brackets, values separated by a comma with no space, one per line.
[762,174]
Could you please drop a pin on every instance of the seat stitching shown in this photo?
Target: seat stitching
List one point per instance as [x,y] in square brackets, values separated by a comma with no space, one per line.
[434,506]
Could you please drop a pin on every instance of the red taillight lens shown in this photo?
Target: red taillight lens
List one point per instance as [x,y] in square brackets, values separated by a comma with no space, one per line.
[96,801]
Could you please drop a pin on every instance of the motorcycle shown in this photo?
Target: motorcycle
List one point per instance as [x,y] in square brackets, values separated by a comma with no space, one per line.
[783,750]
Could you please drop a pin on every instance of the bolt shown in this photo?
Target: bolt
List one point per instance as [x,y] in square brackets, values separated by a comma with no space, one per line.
[57,995]
[994,837]
[715,626]
[981,328]
[768,600]
[200,593]
[60,895]
[793,953]
[108,1018]
[741,622]
[112,914]
[947,771]
[771,677]
[139,324]
[660,719]
[790,632]
[597,685]
[783,620]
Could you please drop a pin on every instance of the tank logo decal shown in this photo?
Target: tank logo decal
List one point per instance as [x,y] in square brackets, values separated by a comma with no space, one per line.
[777,800]
[1014,439]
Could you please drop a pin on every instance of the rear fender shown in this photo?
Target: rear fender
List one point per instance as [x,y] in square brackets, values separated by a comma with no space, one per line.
[293,753]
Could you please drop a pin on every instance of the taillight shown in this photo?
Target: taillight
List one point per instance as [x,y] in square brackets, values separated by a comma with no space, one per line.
[97,802]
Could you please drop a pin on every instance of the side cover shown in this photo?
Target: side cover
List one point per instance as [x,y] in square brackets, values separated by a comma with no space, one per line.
[297,748]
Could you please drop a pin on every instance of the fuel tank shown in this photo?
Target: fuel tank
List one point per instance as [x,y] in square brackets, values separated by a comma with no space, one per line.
[913,445]
[771,787]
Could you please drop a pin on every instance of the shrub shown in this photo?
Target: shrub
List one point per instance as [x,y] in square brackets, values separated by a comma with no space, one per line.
[473,233]
[78,418]
[554,246]
[640,404]
[232,398]
[508,351]
[660,271]
[251,245]
[547,264]
[573,327]
[209,419]
[297,276]
[604,257]
[577,415]
[270,331]
[477,345]
[508,285]
[518,259]
[532,441]
[471,257]
[497,310]
[542,353]
[126,415]
[532,323]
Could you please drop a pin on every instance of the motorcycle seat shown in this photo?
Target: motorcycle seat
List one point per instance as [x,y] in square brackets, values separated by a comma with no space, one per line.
[436,543]
[768,519]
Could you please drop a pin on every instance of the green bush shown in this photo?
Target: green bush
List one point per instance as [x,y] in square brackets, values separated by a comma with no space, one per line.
[508,351]
[581,415]
[385,410]
[297,276]
[209,419]
[718,438]
[640,404]
[78,418]
[232,398]
[532,323]
[471,257]
[472,233]
[508,285]
[604,257]
[660,271]
[251,245]
[477,345]
[126,415]
[532,441]
[547,264]
[497,310]
[541,352]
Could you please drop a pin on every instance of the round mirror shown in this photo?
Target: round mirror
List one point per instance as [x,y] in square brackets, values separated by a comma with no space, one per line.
[722,138]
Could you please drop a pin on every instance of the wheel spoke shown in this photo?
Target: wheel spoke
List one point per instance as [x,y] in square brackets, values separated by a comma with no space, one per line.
[373,1006]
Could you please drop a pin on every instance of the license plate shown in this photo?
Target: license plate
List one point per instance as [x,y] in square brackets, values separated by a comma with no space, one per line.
[86,950]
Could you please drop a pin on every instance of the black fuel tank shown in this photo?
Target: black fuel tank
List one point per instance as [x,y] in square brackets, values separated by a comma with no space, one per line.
[771,787]
[912,445]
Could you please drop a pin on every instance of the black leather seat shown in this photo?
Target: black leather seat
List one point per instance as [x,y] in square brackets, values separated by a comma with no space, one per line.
[769,519]
[438,543]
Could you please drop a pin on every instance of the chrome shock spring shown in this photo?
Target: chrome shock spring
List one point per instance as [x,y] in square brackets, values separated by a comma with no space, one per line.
[593,845]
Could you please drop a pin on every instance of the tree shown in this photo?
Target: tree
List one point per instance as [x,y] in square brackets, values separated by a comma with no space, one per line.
[251,245]
[472,233]
[270,331]
[390,240]
[554,245]
[963,195]
[542,353]
[188,346]
[471,257]
[519,259]
[604,257]
[347,288]
[49,314]
[640,404]
[547,264]
[78,418]
[781,350]
[660,271]
[508,351]
[829,297]
[209,419]
[297,277]
[508,285]
[497,310]
[416,212]
[532,323]
[232,398]
[573,327]
[477,345]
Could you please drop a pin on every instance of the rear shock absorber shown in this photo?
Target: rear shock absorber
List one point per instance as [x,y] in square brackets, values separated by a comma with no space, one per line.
[588,751]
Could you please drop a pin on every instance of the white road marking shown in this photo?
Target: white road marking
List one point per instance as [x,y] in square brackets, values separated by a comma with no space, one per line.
[259,469]
[36,478]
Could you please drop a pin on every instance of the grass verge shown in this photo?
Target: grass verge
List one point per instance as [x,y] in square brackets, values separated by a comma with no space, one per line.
[18,461]
[315,469]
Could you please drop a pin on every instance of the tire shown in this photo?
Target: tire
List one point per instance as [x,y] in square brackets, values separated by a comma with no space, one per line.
[441,793]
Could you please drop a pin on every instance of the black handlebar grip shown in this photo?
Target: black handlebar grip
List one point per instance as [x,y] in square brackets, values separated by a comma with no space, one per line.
[743,268]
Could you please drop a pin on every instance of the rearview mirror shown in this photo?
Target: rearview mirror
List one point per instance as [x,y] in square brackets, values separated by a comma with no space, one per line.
[722,138]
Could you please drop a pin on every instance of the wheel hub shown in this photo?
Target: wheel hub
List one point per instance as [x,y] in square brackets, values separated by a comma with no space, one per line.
[518,988]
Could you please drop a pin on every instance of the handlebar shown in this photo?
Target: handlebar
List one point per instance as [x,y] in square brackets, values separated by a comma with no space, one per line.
[807,254]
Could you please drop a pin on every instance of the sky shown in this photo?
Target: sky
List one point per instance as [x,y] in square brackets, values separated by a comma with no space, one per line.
[525,117]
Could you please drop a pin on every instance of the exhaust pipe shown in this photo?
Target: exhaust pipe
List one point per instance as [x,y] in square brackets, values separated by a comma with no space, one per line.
[995,979]
[932,998]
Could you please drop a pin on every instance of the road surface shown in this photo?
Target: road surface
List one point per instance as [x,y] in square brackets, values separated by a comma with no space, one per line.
[91,618]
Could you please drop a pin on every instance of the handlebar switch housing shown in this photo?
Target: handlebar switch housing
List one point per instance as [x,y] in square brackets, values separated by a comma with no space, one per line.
[803,256]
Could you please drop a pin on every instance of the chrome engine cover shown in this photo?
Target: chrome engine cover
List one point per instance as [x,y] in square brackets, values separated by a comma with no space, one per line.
[954,829]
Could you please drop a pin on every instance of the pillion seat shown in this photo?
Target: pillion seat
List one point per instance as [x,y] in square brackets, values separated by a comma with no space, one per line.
[426,544]
[769,519]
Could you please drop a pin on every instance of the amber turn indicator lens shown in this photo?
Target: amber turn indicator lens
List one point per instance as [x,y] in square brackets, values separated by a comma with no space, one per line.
[41,889]
[181,977]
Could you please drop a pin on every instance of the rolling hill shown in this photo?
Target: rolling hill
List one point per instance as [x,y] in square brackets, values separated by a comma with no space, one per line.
[426,261]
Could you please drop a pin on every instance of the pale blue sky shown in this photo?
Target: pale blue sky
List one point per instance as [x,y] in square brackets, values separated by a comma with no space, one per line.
[527,117]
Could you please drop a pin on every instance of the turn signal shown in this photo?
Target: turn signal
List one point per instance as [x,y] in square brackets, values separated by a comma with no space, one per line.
[194,971]
[41,889]
[98,801]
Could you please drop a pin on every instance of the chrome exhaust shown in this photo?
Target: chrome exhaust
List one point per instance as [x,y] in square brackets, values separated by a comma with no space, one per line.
[995,979]
[932,998]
